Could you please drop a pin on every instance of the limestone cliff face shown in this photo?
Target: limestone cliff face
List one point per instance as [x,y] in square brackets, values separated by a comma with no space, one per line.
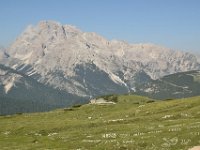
[87,64]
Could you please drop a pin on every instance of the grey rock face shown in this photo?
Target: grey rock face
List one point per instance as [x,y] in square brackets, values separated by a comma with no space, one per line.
[63,65]
[55,51]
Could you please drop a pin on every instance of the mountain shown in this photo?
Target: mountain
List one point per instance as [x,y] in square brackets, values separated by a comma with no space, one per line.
[20,93]
[87,65]
[178,85]
[64,65]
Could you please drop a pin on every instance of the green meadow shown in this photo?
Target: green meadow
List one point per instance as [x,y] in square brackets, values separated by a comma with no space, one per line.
[134,123]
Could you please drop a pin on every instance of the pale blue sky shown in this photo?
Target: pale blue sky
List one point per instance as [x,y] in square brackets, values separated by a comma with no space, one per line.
[171,23]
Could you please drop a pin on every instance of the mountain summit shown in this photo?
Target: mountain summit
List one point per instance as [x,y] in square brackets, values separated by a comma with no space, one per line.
[86,64]
[82,65]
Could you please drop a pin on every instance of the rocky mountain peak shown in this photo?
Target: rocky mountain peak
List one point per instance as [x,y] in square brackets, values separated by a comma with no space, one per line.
[56,53]
[44,33]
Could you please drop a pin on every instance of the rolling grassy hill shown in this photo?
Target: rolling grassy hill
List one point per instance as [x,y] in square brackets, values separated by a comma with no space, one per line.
[134,122]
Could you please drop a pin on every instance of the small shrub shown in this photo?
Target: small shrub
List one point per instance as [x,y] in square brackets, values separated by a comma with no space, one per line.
[168,99]
[113,98]
[77,106]
[19,113]
[123,148]
[109,98]
[150,101]
[68,109]
[137,103]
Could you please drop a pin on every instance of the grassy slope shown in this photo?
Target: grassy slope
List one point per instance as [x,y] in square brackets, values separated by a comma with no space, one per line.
[130,124]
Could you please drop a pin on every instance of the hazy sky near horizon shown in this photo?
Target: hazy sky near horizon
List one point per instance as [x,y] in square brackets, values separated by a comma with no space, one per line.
[171,23]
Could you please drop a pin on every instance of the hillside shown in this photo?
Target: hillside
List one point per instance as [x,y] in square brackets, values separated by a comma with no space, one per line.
[178,85]
[134,122]
[21,93]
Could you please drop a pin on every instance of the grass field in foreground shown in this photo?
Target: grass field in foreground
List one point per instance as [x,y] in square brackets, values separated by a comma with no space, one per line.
[134,122]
